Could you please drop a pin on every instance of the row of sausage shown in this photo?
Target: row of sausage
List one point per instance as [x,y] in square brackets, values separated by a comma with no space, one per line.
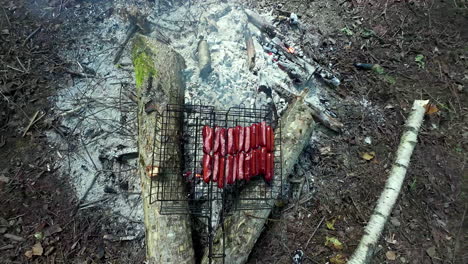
[242,166]
[236,139]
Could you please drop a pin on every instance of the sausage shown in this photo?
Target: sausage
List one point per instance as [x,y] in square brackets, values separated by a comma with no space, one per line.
[252,164]
[253,136]
[247,163]
[235,170]
[206,168]
[270,166]
[231,141]
[246,139]
[228,169]
[240,138]
[215,167]
[263,134]
[222,142]
[257,161]
[270,139]
[207,134]
[221,173]
[240,166]
[217,138]
[263,158]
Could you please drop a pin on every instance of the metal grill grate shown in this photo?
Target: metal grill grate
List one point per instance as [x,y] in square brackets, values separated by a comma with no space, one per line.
[180,159]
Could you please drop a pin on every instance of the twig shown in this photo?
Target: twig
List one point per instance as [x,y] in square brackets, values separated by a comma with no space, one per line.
[315,231]
[133,29]
[21,64]
[31,122]
[458,234]
[31,35]
[6,16]
[16,69]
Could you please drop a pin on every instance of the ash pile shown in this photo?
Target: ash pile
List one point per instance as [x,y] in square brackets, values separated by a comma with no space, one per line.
[234,57]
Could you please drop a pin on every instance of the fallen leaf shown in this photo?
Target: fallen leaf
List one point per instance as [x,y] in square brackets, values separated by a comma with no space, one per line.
[37,249]
[28,254]
[391,255]
[419,59]
[333,243]
[338,259]
[431,109]
[368,155]
[52,230]
[431,252]
[331,224]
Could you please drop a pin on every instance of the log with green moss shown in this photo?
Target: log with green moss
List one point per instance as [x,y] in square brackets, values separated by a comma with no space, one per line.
[159,82]
[243,228]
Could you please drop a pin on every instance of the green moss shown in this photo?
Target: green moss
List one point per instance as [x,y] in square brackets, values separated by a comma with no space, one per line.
[142,62]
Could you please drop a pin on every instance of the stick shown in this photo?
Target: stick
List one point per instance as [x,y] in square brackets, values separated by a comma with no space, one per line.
[315,231]
[133,29]
[250,51]
[31,35]
[387,199]
[31,122]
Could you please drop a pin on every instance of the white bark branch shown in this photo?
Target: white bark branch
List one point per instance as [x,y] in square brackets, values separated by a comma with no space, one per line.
[393,185]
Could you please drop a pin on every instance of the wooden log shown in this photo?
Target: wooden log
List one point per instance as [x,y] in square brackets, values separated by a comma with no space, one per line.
[159,82]
[249,44]
[204,59]
[243,228]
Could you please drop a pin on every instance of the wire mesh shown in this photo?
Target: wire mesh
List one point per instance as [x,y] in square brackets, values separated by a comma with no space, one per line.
[179,187]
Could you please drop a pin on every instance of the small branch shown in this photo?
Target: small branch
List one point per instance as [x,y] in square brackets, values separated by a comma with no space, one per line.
[31,35]
[313,233]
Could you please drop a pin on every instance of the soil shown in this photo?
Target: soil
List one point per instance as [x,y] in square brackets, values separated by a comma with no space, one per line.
[422,48]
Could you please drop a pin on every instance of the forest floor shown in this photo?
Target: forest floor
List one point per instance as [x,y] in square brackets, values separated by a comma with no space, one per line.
[422,48]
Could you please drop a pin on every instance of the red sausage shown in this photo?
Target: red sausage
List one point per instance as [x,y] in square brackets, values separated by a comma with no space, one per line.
[231,141]
[228,169]
[253,136]
[263,157]
[206,168]
[215,166]
[258,161]
[207,134]
[252,164]
[221,173]
[269,167]
[240,166]
[240,135]
[246,139]
[263,134]
[235,170]
[217,138]
[222,142]
[268,138]
[247,163]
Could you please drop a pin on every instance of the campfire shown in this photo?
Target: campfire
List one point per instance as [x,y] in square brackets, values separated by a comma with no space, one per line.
[238,69]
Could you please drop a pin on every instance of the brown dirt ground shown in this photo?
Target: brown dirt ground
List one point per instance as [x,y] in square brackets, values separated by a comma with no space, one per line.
[427,220]
[428,223]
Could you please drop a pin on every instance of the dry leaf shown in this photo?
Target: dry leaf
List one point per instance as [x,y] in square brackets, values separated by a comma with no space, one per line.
[37,249]
[431,109]
[391,255]
[338,259]
[333,243]
[330,224]
[368,155]
[28,254]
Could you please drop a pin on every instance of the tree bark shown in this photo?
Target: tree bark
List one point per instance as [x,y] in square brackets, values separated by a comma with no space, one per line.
[159,82]
[243,228]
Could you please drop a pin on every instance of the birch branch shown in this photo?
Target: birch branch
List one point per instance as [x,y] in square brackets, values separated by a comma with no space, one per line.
[375,226]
